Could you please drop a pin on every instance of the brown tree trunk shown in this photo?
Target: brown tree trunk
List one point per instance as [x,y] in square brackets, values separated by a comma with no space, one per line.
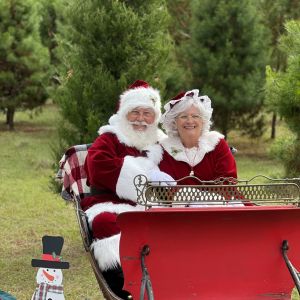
[10,113]
[273,128]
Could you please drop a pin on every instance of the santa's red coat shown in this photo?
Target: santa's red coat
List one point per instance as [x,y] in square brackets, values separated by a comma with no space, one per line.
[111,166]
[103,166]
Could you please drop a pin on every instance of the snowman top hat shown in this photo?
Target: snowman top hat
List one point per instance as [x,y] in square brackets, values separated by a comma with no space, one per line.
[52,246]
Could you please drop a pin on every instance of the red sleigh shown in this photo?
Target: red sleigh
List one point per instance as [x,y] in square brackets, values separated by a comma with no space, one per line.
[223,239]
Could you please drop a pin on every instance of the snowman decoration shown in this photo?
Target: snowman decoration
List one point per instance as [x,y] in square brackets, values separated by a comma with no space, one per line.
[49,276]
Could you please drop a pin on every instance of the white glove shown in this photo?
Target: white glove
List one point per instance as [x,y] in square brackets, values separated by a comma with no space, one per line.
[157,175]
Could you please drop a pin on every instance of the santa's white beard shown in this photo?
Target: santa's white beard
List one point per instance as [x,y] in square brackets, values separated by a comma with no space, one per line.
[139,139]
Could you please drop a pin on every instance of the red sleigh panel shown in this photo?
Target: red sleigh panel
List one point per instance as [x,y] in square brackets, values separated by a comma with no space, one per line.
[211,253]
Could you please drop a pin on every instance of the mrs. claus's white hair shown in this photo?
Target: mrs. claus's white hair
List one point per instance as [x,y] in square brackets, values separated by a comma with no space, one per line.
[174,107]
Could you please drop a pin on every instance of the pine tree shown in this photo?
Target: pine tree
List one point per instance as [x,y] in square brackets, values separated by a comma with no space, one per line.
[276,13]
[284,94]
[180,23]
[51,15]
[105,46]
[227,55]
[23,59]
[177,74]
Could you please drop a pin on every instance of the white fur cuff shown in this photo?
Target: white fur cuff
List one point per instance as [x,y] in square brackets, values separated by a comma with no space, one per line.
[99,208]
[106,252]
[155,153]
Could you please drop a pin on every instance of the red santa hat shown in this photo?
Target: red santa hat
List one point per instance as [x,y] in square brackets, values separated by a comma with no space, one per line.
[140,94]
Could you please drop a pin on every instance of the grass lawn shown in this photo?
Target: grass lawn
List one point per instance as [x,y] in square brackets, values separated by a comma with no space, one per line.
[30,210]
[253,157]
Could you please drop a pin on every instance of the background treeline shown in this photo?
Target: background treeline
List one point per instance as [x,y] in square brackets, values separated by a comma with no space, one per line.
[83,54]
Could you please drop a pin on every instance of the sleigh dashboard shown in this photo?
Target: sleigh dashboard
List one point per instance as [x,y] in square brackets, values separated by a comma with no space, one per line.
[224,239]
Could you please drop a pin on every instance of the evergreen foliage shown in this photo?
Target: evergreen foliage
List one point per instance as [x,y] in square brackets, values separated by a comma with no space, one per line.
[283,92]
[23,59]
[48,26]
[51,16]
[180,23]
[177,74]
[106,46]
[227,55]
[275,14]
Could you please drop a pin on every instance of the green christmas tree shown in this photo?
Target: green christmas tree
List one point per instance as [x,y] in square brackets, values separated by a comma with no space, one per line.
[23,59]
[227,57]
[104,47]
[275,14]
[48,26]
[283,92]
[177,74]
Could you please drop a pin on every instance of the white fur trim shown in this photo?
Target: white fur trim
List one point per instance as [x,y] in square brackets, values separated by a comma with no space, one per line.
[154,153]
[113,120]
[99,208]
[132,166]
[106,252]
[207,143]
[161,135]
[140,97]
[111,127]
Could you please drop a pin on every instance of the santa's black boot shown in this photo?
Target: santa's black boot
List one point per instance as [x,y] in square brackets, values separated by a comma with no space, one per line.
[115,280]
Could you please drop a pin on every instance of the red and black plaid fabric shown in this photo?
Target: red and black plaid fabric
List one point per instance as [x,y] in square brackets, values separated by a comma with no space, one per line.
[44,288]
[72,174]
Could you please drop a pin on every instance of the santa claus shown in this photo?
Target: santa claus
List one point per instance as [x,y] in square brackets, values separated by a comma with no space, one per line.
[126,147]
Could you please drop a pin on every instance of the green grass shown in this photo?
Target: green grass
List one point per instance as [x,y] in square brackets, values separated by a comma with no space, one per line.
[253,155]
[30,210]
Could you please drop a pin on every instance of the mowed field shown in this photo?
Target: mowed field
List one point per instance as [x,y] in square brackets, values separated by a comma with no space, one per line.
[29,209]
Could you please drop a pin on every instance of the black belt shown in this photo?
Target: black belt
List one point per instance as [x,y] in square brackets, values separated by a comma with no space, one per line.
[97,191]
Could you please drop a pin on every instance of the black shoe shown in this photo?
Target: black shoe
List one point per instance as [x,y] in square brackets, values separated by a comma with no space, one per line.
[115,280]
[124,295]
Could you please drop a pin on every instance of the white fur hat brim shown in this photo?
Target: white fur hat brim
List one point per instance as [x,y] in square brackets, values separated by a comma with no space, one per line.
[147,97]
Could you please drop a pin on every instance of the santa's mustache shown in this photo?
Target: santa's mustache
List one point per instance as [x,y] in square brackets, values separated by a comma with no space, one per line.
[139,123]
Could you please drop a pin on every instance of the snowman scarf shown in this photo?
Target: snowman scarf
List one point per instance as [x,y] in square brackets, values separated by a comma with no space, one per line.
[44,288]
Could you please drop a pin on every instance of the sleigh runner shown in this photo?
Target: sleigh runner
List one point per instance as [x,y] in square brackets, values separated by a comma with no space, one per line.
[224,239]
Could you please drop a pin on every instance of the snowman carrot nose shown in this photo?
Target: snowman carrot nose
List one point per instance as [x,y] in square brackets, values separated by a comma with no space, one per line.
[48,276]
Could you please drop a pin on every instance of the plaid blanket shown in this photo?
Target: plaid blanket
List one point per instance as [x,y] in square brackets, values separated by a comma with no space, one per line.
[71,172]
[44,288]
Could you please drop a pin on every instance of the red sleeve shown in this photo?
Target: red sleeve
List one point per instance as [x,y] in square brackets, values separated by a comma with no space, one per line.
[225,162]
[104,163]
